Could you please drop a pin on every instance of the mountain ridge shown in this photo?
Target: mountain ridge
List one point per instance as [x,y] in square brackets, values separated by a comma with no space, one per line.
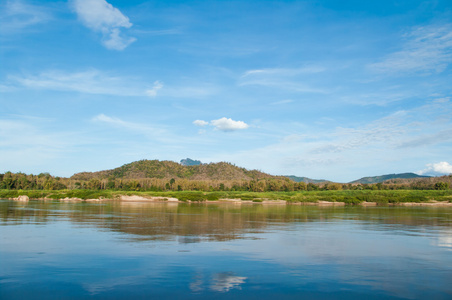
[383,178]
[305,179]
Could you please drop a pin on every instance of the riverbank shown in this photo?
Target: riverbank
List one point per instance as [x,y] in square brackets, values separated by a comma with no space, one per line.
[321,198]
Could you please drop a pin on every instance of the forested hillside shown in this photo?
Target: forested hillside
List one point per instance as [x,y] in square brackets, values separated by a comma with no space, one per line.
[169,169]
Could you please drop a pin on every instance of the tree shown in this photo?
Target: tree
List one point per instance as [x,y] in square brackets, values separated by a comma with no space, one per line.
[333,186]
[312,187]
[172,181]
[94,184]
[441,185]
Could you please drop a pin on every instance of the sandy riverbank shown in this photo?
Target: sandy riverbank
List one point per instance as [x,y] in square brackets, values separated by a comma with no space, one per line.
[136,198]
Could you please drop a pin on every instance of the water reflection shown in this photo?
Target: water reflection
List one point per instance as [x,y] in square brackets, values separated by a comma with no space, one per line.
[195,223]
[445,239]
[219,282]
[223,282]
[170,250]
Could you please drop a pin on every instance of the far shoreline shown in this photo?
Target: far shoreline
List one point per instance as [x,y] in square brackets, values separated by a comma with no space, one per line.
[238,201]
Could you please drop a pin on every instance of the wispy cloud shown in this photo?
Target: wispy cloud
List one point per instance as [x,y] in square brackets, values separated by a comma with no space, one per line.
[292,79]
[287,101]
[101,16]
[425,49]
[429,139]
[381,98]
[17,15]
[284,71]
[223,124]
[153,92]
[386,130]
[90,81]
[154,131]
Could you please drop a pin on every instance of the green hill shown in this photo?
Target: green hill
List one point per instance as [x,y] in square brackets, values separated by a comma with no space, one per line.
[170,169]
[382,178]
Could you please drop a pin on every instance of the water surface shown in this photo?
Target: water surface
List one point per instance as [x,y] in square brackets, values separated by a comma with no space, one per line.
[117,250]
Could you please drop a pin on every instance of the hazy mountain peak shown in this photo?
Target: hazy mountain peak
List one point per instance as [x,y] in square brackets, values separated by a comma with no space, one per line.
[190,162]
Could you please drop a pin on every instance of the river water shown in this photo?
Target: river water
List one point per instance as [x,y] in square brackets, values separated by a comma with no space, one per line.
[123,250]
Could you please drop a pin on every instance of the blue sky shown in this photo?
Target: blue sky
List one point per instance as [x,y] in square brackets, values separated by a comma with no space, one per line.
[325,89]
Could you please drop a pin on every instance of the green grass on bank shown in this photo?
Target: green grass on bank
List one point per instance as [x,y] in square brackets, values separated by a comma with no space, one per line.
[348,196]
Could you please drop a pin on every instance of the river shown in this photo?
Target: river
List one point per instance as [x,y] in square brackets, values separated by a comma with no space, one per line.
[126,250]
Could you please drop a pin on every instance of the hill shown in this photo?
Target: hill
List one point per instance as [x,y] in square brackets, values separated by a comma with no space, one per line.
[382,178]
[170,169]
[305,179]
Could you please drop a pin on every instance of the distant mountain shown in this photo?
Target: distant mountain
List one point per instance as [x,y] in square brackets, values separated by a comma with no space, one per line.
[305,179]
[171,169]
[190,162]
[377,179]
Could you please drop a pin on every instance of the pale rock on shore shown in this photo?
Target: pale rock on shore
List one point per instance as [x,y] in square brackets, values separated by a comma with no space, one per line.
[22,198]
[141,198]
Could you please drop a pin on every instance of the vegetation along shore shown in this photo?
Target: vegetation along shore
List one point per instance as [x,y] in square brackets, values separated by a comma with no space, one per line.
[350,197]
[153,180]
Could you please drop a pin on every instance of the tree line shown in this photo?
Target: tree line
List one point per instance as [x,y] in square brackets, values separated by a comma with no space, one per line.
[45,181]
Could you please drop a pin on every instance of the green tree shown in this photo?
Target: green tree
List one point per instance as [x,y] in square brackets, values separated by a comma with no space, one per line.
[441,185]
[312,187]
[94,184]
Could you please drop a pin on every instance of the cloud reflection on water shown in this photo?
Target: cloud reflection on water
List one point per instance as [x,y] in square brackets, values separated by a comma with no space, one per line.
[219,282]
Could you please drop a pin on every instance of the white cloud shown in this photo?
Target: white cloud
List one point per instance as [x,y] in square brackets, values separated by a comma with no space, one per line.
[91,82]
[200,123]
[101,16]
[227,124]
[441,168]
[17,15]
[153,92]
[223,124]
[426,49]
